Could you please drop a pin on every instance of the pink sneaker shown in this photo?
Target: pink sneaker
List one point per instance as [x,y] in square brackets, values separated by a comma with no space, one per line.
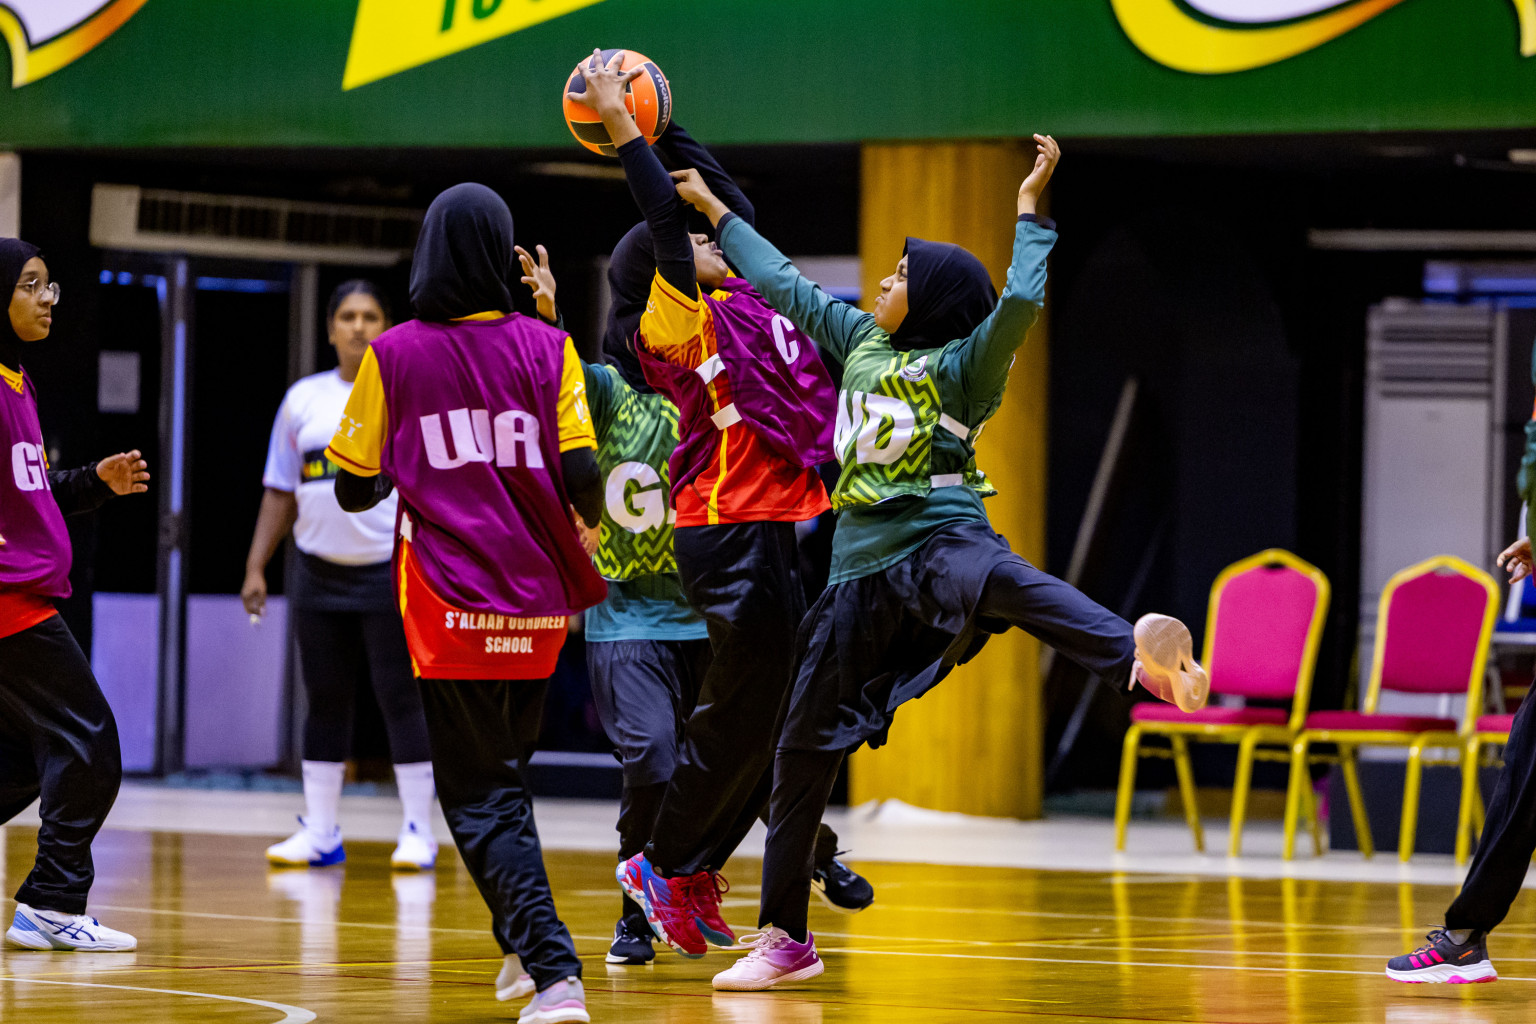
[775,959]
[1165,663]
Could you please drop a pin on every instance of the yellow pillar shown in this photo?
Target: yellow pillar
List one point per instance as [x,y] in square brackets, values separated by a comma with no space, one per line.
[973,744]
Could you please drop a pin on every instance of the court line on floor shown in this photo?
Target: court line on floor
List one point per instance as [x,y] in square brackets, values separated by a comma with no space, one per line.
[1121,963]
[901,938]
[291,1014]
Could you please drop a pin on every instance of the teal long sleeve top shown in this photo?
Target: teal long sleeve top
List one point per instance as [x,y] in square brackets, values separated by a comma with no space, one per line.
[970,374]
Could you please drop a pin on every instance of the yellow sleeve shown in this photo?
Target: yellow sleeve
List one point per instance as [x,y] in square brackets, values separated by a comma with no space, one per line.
[359,442]
[575,420]
[672,325]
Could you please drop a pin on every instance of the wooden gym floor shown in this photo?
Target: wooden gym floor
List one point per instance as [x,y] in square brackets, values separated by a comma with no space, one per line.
[222,939]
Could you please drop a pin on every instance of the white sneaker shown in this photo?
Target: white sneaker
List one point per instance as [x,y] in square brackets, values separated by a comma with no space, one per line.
[775,959]
[45,929]
[307,848]
[416,850]
[512,982]
[563,1002]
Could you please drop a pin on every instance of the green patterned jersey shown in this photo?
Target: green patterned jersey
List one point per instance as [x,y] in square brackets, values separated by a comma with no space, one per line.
[893,437]
[636,434]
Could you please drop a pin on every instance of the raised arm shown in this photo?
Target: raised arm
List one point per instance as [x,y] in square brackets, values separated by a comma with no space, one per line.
[834,325]
[648,180]
[985,356]
[683,151]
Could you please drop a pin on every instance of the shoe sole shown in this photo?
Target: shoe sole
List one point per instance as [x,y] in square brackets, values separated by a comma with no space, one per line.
[723,940]
[571,1016]
[39,943]
[638,895]
[629,961]
[803,974]
[331,859]
[1165,648]
[820,890]
[515,992]
[1447,974]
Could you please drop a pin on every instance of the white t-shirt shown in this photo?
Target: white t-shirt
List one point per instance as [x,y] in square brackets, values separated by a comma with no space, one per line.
[296,462]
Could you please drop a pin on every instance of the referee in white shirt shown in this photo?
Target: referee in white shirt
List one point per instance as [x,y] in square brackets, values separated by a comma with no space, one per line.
[341,600]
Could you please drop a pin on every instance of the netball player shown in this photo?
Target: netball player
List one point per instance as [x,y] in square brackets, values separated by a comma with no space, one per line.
[919,579]
[58,739]
[755,407]
[477,416]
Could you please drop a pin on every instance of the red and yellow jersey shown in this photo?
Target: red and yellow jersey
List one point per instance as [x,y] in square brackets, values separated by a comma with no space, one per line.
[745,481]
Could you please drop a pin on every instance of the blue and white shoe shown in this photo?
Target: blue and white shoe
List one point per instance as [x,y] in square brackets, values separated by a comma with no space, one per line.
[415,850]
[307,848]
[46,929]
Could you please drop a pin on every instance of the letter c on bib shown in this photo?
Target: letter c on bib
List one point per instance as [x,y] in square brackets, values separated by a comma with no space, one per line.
[783,337]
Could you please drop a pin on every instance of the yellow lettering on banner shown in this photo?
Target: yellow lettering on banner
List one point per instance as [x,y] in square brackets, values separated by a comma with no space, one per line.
[391,36]
[1171,35]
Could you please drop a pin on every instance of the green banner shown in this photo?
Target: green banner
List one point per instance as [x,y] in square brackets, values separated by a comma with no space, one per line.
[150,73]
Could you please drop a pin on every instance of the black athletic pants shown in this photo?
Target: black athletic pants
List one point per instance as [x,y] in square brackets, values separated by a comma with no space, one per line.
[1509,834]
[644,691]
[1020,595]
[481,733]
[745,580]
[334,647]
[58,739]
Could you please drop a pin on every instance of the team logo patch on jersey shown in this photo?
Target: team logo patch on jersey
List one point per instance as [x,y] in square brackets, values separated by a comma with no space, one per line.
[46,35]
[317,467]
[916,370]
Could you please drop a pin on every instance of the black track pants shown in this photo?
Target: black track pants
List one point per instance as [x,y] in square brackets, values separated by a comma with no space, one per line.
[481,733]
[333,649]
[745,580]
[1509,834]
[58,740]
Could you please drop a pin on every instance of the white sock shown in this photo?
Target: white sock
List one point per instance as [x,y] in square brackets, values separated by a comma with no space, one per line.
[322,794]
[414,781]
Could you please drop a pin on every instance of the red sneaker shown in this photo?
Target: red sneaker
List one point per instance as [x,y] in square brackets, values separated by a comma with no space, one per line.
[707,887]
[667,902]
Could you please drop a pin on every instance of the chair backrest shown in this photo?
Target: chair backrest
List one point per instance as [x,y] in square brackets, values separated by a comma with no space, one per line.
[1263,628]
[1432,632]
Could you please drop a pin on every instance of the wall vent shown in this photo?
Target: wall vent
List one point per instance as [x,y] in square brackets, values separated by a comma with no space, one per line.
[137,219]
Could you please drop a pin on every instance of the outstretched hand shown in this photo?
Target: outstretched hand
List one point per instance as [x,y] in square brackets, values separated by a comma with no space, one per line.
[540,279]
[125,472]
[1048,153]
[1517,559]
[606,86]
[693,190]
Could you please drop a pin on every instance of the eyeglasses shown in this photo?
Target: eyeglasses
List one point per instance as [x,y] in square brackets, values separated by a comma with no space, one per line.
[37,289]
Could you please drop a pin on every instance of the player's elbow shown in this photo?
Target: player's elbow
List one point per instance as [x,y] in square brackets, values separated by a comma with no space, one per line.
[360,493]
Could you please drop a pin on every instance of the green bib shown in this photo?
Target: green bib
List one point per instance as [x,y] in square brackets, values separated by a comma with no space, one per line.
[893,437]
[637,433]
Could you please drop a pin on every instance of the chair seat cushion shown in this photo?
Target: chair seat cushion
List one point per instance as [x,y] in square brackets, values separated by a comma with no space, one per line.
[1157,711]
[1496,723]
[1360,721]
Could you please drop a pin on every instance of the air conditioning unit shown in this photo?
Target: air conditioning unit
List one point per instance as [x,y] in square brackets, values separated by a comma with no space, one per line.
[127,217]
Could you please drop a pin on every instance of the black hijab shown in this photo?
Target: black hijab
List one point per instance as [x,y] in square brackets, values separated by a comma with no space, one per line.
[949,294]
[630,272]
[464,262]
[14,254]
